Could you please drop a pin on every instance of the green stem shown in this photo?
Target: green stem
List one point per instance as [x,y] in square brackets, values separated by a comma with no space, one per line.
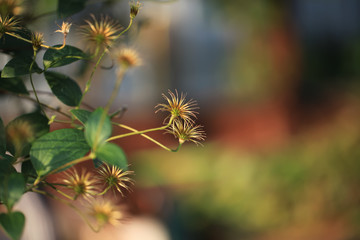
[140,132]
[32,84]
[114,93]
[29,41]
[76,161]
[150,138]
[59,191]
[126,29]
[71,206]
[88,83]
[105,191]
[120,77]
[44,105]
[79,160]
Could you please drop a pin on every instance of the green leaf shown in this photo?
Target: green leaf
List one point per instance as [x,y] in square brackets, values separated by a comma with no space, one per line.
[13,224]
[28,171]
[81,114]
[15,85]
[57,58]
[57,148]
[112,155]
[64,88]
[67,8]
[19,66]
[97,128]
[6,168]
[23,130]
[13,188]
[2,138]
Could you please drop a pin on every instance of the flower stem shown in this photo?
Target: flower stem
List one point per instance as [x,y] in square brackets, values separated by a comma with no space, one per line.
[88,83]
[76,161]
[70,205]
[32,85]
[29,41]
[58,190]
[120,77]
[44,105]
[135,132]
[150,138]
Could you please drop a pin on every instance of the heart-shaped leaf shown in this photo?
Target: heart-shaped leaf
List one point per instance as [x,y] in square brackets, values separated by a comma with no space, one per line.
[19,66]
[97,128]
[23,130]
[15,85]
[81,114]
[64,88]
[112,155]
[57,148]
[57,58]
[13,224]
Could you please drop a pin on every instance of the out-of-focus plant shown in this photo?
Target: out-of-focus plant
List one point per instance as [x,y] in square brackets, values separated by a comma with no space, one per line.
[26,140]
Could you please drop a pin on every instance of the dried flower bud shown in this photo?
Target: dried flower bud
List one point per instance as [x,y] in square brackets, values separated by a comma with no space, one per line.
[104,212]
[8,25]
[82,184]
[134,9]
[100,33]
[37,40]
[115,178]
[127,57]
[178,107]
[65,28]
[185,131]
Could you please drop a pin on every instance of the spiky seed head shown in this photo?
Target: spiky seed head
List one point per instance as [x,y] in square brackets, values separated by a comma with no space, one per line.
[115,178]
[105,211]
[178,107]
[100,33]
[64,29]
[185,131]
[37,40]
[9,25]
[81,184]
[134,8]
[127,57]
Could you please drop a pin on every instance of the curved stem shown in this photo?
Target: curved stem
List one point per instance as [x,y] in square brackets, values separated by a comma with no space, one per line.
[32,84]
[105,191]
[70,205]
[126,29]
[88,83]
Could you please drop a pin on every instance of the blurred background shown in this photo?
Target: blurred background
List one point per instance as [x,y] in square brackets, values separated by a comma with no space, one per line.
[278,85]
